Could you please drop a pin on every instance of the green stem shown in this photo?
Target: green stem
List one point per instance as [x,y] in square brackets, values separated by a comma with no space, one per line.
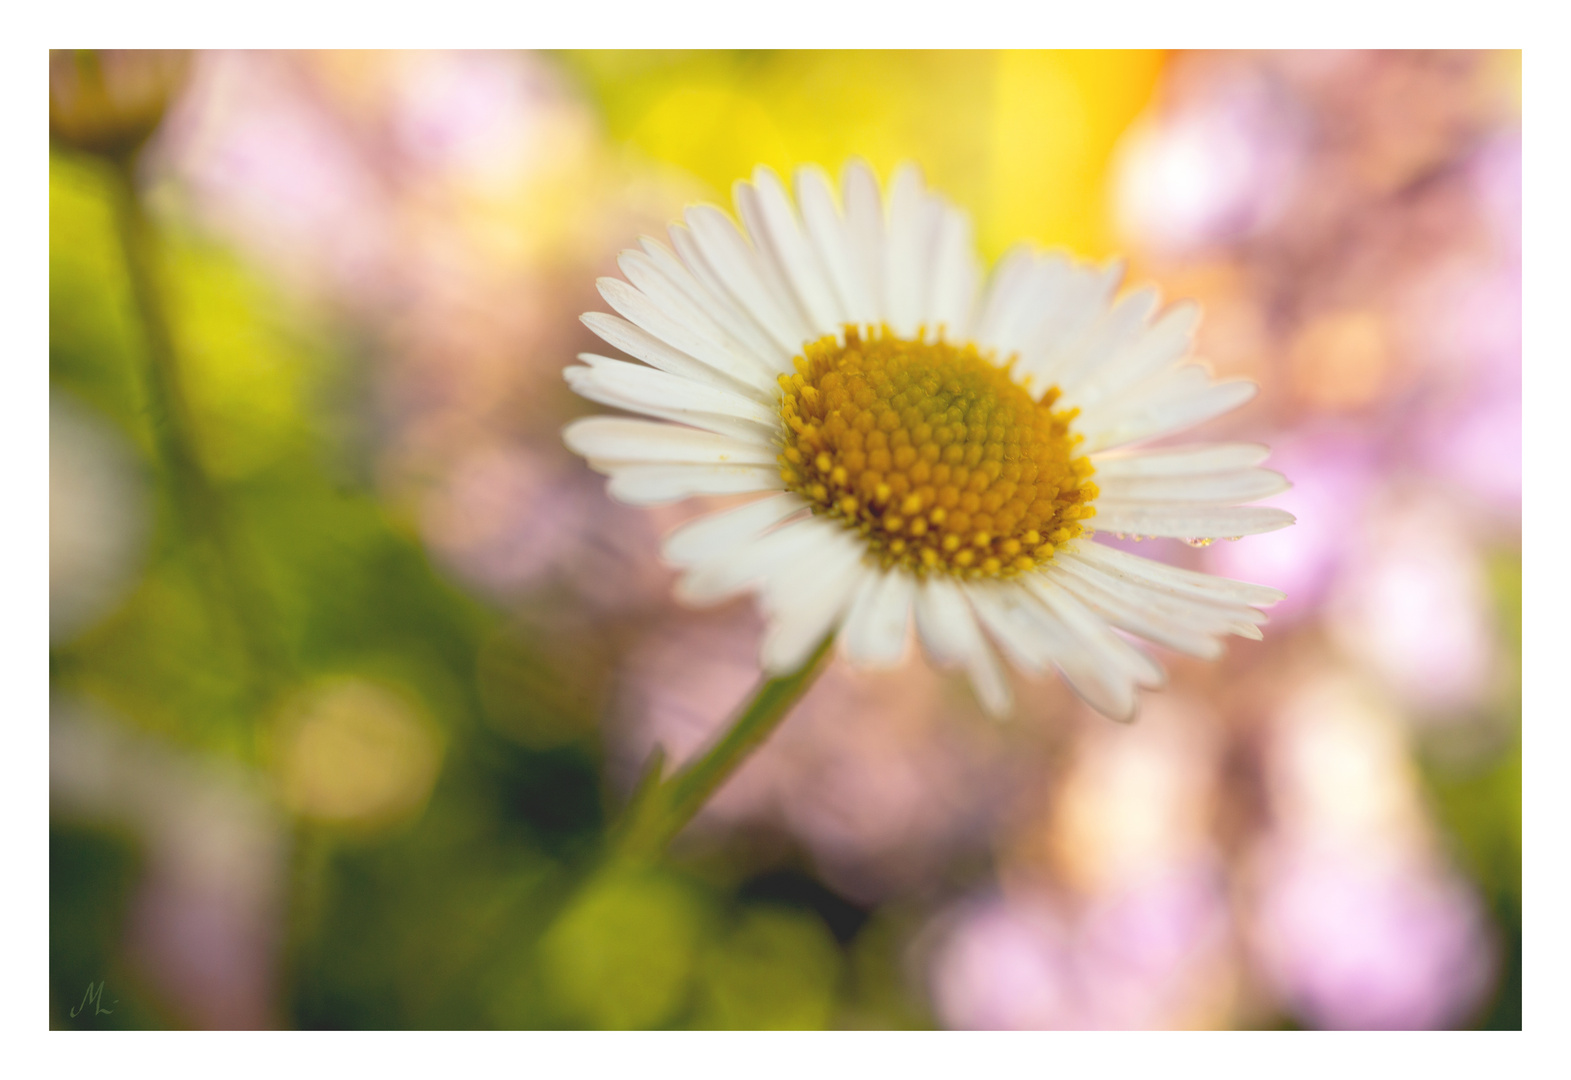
[662,808]
[235,605]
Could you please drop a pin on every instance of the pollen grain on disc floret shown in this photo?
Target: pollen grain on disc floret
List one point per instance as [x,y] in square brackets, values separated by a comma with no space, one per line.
[933,453]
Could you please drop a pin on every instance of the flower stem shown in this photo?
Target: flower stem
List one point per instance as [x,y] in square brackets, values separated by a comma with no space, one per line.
[660,808]
[236,605]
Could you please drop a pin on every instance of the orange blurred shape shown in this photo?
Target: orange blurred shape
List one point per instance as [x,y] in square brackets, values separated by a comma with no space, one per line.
[1342,361]
[110,101]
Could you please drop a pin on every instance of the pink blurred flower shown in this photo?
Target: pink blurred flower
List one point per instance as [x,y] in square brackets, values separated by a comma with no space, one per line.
[1216,169]
[504,518]
[1148,955]
[271,166]
[1496,172]
[1480,451]
[1465,321]
[1413,606]
[1359,943]
[206,918]
[1335,474]
[1468,322]
[1356,922]
[476,116]
[1004,966]
[1151,949]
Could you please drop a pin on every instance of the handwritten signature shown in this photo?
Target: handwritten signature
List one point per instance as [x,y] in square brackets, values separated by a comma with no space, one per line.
[95,994]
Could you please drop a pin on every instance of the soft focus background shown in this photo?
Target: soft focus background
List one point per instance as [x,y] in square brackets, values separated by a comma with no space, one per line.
[351,663]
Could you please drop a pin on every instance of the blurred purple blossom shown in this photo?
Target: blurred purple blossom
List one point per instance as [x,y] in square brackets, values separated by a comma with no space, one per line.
[1151,954]
[1335,472]
[1352,942]
[206,917]
[267,164]
[504,518]
[1413,605]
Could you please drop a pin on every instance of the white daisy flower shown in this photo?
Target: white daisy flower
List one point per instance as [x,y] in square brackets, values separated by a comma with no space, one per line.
[929,449]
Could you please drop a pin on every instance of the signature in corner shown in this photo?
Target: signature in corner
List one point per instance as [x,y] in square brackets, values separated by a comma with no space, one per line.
[95,994]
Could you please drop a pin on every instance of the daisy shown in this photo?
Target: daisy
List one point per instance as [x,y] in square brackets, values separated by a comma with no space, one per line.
[928,449]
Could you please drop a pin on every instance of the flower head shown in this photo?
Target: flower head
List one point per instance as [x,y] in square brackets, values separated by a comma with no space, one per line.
[928,447]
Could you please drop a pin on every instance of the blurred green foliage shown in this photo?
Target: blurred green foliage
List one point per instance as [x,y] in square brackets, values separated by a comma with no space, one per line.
[436,923]
[91,875]
[1478,800]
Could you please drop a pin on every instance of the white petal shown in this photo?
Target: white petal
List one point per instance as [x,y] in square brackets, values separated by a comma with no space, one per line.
[671,329]
[1175,617]
[737,266]
[877,625]
[1077,301]
[1080,358]
[1164,344]
[1179,399]
[955,276]
[1136,617]
[828,232]
[803,611]
[649,277]
[713,534]
[1094,632]
[587,384]
[1049,286]
[791,545]
[663,277]
[1187,521]
[632,386]
[864,219]
[755,229]
[1005,284]
[1170,578]
[612,442]
[1238,486]
[657,354]
[722,307]
[652,485]
[948,628]
[1179,461]
[1018,630]
[1035,637]
[794,253]
[908,251]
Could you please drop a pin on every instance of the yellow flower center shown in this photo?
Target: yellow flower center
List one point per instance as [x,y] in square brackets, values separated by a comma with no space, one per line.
[933,453]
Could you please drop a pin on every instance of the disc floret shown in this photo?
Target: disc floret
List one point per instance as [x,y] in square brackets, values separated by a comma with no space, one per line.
[933,453]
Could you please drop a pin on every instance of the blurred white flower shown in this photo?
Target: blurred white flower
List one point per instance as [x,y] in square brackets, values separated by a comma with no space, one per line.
[1339,770]
[1414,607]
[1357,922]
[1134,801]
[98,517]
[1216,171]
